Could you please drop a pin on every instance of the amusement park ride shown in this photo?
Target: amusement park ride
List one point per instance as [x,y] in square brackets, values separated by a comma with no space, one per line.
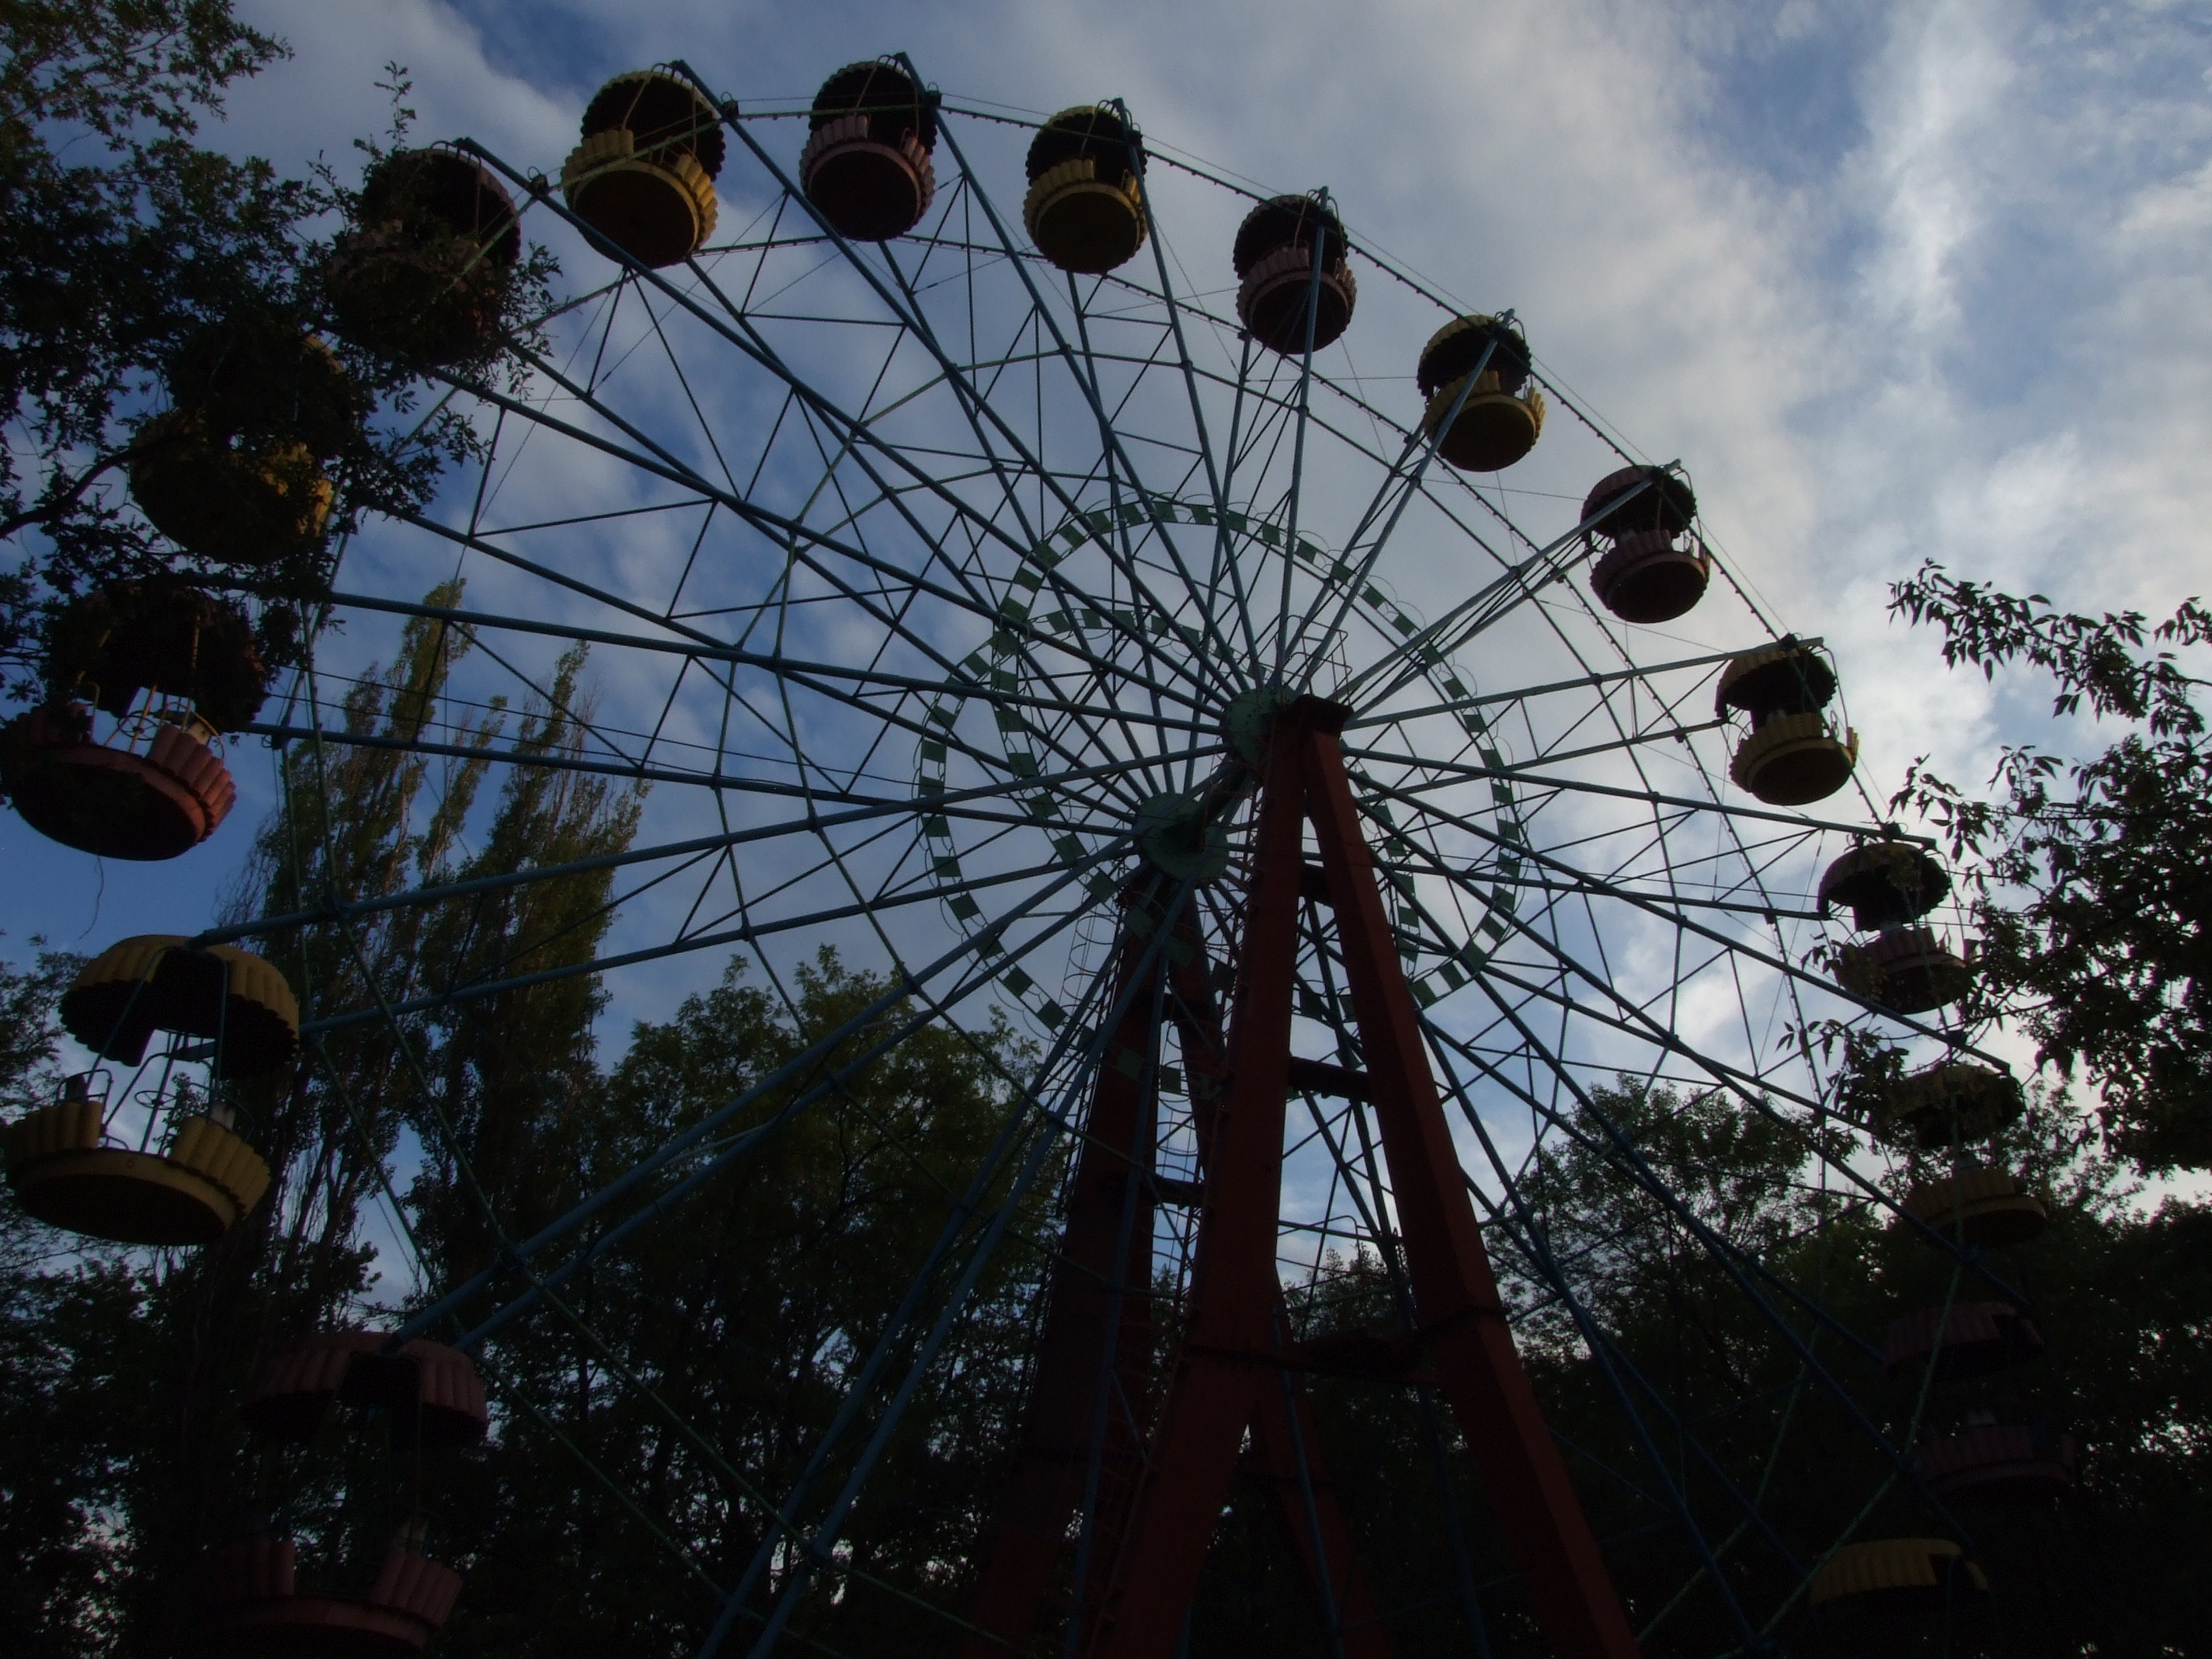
[1004,610]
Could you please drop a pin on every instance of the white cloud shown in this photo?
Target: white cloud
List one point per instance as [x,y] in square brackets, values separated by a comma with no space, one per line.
[1959,317]
[327,95]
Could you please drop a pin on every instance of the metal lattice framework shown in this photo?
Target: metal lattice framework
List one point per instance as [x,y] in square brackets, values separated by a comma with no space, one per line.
[946,603]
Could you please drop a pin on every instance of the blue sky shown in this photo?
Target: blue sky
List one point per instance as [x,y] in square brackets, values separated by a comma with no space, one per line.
[1896,281]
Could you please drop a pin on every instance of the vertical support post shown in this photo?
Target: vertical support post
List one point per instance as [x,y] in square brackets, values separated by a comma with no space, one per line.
[1228,1354]
[1462,1316]
[1232,1374]
[1092,1277]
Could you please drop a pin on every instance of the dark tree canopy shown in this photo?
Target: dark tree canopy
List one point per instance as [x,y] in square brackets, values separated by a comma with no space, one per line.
[156,299]
[120,235]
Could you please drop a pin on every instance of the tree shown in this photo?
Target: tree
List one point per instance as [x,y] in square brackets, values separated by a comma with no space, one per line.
[65,1359]
[112,253]
[146,280]
[2123,1294]
[510,1073]
[2090,881]
[722,1338]
[359,823]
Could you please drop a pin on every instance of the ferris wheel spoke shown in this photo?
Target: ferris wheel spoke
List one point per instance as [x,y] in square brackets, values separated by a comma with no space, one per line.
[1111,444]
[1598,886]
[986,425]
[652,458]
[1463,770]
[1007,784]
[558,710]
[1735,947]
[858,430]
[655,459]
[978,413]
[1636,711]
[1354,444]
[909,985]
[1216,645]
[1058,873]
[1404,486]
[1298,447]
[1216,479]
[830,1528]
[1755,1090]
[789,532]
[1225,563]
[873,907]
[1747,1085]
[814,673]
[1473,704]
[1361,564]
[919,642]
[1619,1150]
[1481,610]
[1533,1245]
[1013,783]
[1613,745]
[1631,1019]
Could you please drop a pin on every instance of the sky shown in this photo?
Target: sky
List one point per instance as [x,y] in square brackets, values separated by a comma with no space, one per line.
[1895,282]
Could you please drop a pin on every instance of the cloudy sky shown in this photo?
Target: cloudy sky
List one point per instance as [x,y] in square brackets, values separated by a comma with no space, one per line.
[1894,281]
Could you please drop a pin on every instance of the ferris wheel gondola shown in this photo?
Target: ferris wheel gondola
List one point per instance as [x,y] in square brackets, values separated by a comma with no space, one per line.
[977,595]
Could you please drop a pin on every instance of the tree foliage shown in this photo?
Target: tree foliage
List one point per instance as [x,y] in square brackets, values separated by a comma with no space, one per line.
[697,1369]
[1761,1389]
[2090,881]
[139,272]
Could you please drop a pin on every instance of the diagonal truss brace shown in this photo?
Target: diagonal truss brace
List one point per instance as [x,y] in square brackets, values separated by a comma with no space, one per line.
[1091,1403]
[1229,1360]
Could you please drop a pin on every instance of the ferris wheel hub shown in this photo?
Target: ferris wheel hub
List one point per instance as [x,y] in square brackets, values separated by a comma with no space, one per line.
[1181,839]
[1251,713]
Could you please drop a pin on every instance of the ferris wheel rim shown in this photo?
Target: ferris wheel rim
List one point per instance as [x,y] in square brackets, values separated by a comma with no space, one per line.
[975,972]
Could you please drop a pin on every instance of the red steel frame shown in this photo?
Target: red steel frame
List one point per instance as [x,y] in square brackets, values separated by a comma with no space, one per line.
[1161,1493]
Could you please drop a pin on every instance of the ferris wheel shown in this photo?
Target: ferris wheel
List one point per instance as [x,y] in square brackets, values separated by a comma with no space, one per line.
[1089,595]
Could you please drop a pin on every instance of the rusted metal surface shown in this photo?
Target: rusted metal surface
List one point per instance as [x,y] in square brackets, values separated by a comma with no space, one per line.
[1237,1371]
[1462,1317]
[1226,1357]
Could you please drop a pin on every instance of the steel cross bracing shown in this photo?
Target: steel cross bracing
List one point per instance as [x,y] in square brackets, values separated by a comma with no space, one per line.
[1091,1406]
[1146,1459]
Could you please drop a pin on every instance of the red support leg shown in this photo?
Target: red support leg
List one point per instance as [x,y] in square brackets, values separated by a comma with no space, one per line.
[1055,1455]
[1226,1356]
[1462,1318]
[1048,1487]
[1227,1377]
[1332,1569]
